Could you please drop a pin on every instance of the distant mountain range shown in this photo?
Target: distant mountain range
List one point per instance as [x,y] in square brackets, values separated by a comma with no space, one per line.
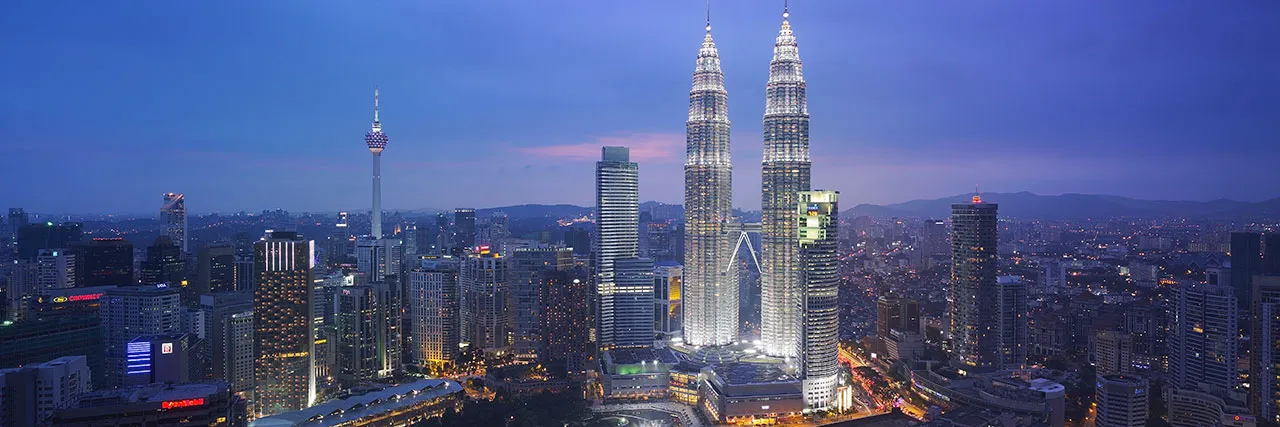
[1076,206]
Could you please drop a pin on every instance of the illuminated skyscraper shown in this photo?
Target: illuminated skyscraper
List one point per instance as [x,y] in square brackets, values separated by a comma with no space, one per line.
[486,318]
[785,173]
[376,140]
[974,291]
[174,215]
[617,237]
[529,269]
[282,319]
[433,312]
[818,224]
[710,272]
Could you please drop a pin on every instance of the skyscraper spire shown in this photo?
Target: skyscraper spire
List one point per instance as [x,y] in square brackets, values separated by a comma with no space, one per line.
[785,173]
[711,275]
[375,107]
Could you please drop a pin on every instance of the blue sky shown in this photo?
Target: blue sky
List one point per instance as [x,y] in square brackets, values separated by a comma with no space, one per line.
[263,105]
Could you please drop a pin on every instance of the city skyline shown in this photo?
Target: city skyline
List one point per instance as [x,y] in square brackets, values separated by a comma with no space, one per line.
[926,108]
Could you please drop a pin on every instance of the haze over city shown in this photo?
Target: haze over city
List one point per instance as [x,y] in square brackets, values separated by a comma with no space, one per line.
[257,106]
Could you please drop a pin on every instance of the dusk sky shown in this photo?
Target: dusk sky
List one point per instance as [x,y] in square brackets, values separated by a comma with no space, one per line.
[262,105]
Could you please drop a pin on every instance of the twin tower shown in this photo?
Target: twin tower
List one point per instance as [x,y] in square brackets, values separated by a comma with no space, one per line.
[711,231]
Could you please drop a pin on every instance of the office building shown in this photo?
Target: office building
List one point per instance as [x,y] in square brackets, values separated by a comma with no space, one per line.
[164,265]
[1246,261]
[934,238]
[202,404]
[617,234]
[626,305]
[974,319]
[29,395]
[153,359]
[1188,408]
[434,313]
[378,259]
[711,277]
[527,268]
[785,173]
[103,262]
[1012,314]
[32,238]
[57,269]
[36,341]
[896,313]
[1264,374]
[17,219]
[361,334]
[464,230]
[668,310]
[173,214]
[228,343]
[215,270]
[131,312]
[486,319]
[1122,401]
[818,227]
[1203,338]
[282,320]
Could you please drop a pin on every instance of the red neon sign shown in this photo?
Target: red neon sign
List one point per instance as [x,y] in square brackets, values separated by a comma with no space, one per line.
[184,403]
[85,297]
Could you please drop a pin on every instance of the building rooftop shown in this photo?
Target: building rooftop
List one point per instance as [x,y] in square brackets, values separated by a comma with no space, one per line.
[151,393]
[631,356]
[751,373]
[341,411]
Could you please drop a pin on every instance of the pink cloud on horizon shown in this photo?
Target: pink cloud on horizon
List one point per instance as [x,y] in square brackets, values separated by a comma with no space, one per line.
[645,147]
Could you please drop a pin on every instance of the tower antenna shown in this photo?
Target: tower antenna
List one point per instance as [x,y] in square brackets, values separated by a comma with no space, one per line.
[375,104]
[708,15]
[786,7]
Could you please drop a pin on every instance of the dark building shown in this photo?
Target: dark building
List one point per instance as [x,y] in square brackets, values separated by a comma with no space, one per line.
[215,270]
[1264,387]
[36,341]
[228,343]
[579,240]
[158,359]
[34,237]
[164,264]
[17,219]
[974,312]
[103,262]
[1271,254]
[527,270]
[896,313]
[1246,261]
[207,404]
[464,230]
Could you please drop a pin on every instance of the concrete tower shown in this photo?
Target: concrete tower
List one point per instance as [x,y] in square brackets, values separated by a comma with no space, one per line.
[376,140]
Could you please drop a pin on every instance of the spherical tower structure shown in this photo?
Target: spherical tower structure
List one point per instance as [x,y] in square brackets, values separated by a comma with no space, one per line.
[376,140]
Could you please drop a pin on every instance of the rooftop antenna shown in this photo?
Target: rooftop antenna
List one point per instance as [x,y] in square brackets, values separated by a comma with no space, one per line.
[708,16]
[977,196]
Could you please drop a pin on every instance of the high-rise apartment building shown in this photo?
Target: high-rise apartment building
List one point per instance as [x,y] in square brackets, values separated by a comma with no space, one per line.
[434,312]
[974,318]
[376,141]
[617,236]
[103,262]
[817,216]
[127,313]
[1013,316]
[785,173]
[711,275]
[668,309]
[1203,338]
[1264,375]
[934,238]
[1113,352]
[377,260]
[1122,400]
[565,314]
[486,318]
[527,270]
[282,320]
[173,213]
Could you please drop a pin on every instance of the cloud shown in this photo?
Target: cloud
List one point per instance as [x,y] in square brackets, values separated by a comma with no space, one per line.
[645,148]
